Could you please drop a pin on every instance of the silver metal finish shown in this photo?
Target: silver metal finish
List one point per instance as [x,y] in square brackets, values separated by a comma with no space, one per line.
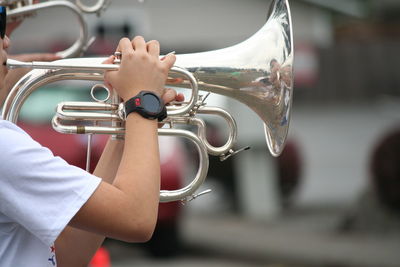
[189,191]
[257,72]
[63,64]
[98,7]
[19,9]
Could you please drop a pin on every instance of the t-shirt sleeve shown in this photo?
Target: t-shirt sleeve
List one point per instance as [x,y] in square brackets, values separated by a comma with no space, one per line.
[37,190]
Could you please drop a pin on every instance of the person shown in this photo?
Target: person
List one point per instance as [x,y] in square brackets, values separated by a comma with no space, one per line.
[55,214]
[14,75]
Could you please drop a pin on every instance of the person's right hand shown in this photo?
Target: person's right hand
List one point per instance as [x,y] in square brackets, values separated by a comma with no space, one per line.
[141,68]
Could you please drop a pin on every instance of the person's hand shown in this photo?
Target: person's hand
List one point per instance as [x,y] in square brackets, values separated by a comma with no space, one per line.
[171,95]
[16,22]
[11,26]
[14,75]
[35,57]
[168,96]
[140,69]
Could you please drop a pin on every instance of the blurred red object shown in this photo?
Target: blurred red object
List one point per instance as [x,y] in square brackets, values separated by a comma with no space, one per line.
[101,258]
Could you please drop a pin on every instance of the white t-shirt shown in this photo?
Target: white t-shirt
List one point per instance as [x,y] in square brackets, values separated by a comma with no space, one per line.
[39,195]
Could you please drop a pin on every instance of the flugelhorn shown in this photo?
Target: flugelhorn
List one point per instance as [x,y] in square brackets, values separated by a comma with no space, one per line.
[257,72]
[19,9]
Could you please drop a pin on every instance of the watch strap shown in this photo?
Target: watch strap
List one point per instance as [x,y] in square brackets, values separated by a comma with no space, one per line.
[136,104]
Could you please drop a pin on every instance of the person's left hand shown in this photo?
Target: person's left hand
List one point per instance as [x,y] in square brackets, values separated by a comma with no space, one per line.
[171,95]
[11,26]
[14,75]
[35,57]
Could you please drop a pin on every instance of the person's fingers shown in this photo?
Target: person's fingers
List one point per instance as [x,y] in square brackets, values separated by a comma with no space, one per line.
[108,85]
[153,47]
[169,60]
[108,74]
[139,44]
[109,60]
[6,42]
[125,47]
[171,80]
[169,95]
[43,57]
[36,57]
[48,57]
[180,97]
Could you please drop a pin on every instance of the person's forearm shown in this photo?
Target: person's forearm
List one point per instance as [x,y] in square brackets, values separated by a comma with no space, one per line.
[82,244]
[134,193]
[109,161]
[138,177]
[127,209]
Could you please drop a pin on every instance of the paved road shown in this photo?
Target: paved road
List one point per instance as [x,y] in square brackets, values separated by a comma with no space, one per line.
[307,238]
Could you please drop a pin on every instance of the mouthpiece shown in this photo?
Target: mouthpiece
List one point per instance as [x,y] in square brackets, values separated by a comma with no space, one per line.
[13,64]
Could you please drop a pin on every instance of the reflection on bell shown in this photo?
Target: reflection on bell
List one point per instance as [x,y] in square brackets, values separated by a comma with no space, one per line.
[257,72]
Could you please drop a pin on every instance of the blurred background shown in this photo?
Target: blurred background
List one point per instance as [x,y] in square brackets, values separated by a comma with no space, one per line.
[331,199]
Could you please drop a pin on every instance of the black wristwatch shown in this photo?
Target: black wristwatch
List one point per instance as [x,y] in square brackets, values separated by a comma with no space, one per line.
[147,104]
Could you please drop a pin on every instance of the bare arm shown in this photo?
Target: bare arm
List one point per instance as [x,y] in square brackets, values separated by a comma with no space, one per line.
[131,200]
[83,244]
[14,75]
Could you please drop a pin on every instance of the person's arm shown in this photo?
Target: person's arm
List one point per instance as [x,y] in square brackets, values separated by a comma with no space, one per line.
[14,75]
[127,208]
[83,244]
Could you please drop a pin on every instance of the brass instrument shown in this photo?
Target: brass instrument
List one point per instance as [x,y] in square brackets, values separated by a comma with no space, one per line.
[257,72]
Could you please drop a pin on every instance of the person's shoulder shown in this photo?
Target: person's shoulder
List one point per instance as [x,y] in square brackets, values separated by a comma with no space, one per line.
[9,130]
[4,124]
[9,126]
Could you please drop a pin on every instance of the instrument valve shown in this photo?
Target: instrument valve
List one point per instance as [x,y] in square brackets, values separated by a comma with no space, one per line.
[200,103]
[232,152]
[169,123]
[202,100]
[195,108]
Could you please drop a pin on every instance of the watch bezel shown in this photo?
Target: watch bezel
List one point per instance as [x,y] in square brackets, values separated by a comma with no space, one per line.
[160,114]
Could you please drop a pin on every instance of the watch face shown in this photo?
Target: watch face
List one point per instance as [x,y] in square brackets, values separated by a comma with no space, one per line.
[151,103]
